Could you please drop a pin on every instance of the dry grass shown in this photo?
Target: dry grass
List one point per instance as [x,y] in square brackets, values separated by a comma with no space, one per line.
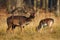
[29,32]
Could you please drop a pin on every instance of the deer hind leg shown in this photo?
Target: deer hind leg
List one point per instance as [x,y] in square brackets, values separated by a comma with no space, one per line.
[13,27]
[8,29]
[50,26]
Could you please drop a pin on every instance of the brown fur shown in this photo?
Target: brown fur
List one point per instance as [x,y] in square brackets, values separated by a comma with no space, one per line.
[46,21]
[14,21]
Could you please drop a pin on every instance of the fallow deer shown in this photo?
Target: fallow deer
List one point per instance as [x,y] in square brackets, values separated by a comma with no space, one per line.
[14,21]
[45,22]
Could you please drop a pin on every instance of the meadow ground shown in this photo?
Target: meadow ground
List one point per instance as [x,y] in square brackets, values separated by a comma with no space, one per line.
[29,32]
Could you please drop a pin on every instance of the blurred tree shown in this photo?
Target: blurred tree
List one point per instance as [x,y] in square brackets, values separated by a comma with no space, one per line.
[29,2]
[19,3]
[58,8]
[11,4]
[2,3]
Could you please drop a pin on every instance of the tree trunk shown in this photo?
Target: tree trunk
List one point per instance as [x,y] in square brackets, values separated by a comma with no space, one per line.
[19,3]
[12,4]
[58,8]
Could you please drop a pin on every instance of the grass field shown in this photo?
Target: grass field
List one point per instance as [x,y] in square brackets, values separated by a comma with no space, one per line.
[29,32]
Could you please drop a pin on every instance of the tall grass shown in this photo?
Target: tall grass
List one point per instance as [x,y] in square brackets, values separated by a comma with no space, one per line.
[29,32]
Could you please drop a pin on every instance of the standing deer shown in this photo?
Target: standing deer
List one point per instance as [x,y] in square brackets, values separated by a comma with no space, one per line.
[14,21]
[45,22]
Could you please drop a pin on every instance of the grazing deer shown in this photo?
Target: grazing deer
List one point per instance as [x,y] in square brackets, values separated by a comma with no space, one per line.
[14,21]
[45,22]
